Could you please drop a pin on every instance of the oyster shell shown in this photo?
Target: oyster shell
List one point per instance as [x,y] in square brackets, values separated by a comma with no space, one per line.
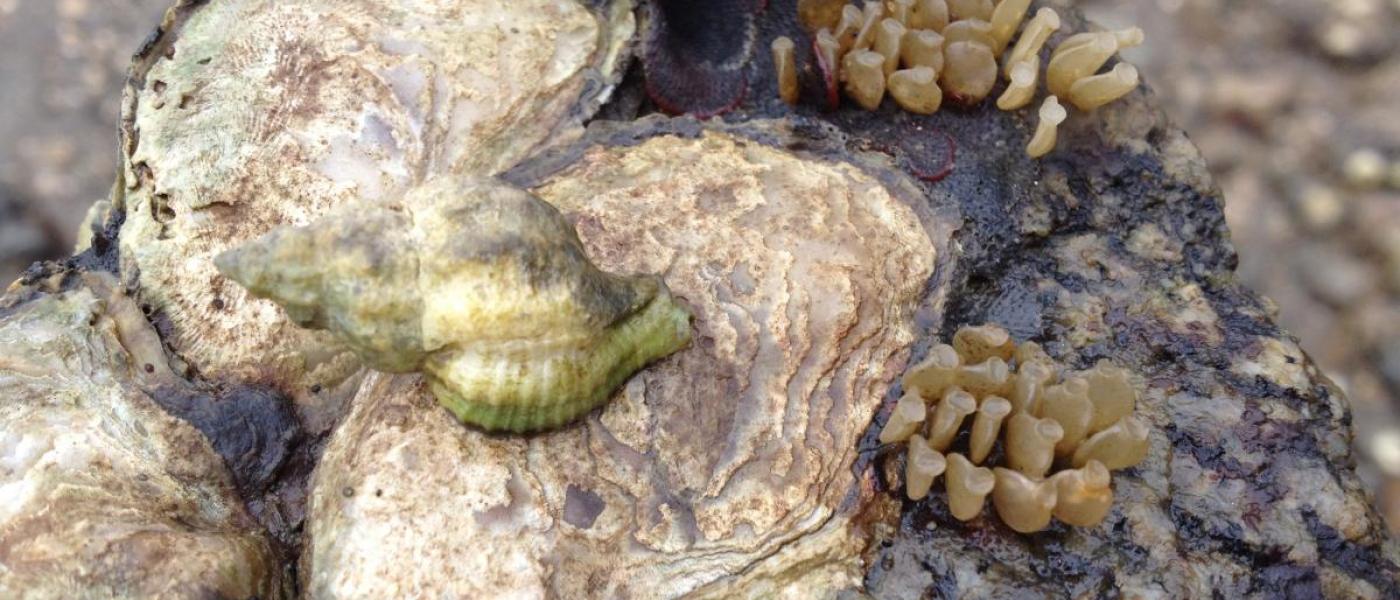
[724,470]
[482,286]
[245,115]
[102,493]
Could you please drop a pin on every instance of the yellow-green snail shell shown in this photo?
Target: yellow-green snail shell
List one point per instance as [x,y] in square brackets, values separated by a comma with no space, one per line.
[481,286]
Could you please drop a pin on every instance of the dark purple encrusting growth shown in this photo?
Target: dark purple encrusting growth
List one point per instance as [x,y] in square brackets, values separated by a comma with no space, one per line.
[696,54]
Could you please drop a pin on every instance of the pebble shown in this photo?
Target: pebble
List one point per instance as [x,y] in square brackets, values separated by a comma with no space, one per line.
[1365,168]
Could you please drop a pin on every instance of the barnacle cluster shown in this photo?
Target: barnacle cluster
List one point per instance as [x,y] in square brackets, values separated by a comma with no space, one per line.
[1044,416]
[918,51]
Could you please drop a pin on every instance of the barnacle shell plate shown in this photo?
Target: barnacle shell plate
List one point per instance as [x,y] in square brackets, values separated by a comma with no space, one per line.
[724,470]
[244,115]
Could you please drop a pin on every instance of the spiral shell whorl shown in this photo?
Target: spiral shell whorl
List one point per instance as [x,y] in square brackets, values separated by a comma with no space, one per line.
[483,287]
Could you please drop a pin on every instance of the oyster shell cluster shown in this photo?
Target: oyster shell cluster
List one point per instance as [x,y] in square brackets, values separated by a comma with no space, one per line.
[483,287]
[1044,415]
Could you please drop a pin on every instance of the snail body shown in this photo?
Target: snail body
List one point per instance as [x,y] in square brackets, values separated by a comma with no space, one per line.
[482,287]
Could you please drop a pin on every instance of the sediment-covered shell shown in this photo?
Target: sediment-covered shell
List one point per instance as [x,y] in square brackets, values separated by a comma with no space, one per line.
[245,115]
[482,286]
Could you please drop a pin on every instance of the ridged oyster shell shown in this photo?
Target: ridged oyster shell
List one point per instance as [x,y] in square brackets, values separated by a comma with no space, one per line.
[245,115]
[481,285]
[725,470]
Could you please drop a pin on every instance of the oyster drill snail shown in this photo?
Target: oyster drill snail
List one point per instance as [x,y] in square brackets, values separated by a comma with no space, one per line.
[483,287]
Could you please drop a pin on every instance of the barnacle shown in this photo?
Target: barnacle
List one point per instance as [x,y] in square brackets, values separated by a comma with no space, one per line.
[864,72]
[916,90]
[1025,504]
[929,14]
[1022,87]
[1080,422]
[922,48]
[969,71]
[985,427]
[1068,65]
[970,30]
[888,37]
[1097,90]
[1045,22]
[948,417]
[1046,130]
[924,466]
[1006,19]
[968,486]
[785,67]
[482,287]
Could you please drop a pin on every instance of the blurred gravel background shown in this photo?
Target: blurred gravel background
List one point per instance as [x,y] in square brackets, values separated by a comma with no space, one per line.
[1295,103]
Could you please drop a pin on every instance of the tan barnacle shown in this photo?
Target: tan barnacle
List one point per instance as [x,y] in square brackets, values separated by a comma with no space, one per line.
[848,28]
[900,10]
[1122,445]
[986,426]
[936,372]
[483,287]
[969,71]
[888,37]
[1021,91]
[1029,383]
[1006,19]
[929,14]
[922,48]
[976,344]
[1024,504]
[916,90]
[969,9]
[970,30]
[948,416]
[1045,22]
[990,376]
[1077,62]
[968,486]
[921,467]
[1030,443]
[864,72]
[1094,91]
[908,415]
[828,52]
[1051,115]
[1031,352]
[1126,38]
[870,18]
[785,67]
[1068,404]
[1112,393]
[1083,496]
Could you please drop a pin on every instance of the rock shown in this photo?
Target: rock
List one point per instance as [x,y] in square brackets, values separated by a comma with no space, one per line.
[821,252]
[102,493]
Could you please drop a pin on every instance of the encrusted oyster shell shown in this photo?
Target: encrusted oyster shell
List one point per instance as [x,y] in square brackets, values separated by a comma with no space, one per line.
[723,470]
[244,115]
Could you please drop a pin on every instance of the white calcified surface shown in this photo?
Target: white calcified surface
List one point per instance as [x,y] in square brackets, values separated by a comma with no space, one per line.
[249,114]
[724,470]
